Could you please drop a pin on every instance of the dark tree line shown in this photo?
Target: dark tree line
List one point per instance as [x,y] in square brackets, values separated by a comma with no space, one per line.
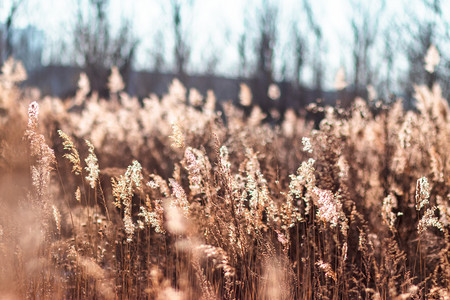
[377,43]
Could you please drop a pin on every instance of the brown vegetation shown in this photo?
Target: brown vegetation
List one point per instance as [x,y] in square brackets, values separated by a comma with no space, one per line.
[169,200]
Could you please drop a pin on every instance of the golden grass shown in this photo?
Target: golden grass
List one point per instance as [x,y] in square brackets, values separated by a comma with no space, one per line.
[167,200]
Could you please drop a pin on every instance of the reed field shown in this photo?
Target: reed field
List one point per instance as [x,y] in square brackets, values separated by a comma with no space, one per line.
[186,196]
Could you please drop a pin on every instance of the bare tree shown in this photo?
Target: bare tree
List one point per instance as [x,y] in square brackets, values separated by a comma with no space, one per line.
[6,46]
[318,66]
[389,57]
[299,54]
[421,33]
[182,49]
[242,50]
[98,49]
[267,40]
[158,52]
[212,60]
[242,47]
[365,26]
[416,51]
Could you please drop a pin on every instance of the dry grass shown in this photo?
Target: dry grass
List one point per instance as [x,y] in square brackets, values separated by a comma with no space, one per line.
[168,200]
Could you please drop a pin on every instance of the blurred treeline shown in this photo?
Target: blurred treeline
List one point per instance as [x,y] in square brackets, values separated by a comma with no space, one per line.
[382,47]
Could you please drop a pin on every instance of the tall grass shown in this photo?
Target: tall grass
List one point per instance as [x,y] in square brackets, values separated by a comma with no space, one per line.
[168,199]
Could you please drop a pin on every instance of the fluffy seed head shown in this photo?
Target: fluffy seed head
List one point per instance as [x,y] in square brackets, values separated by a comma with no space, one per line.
[33,115]
[91,166]
[422,192]
[115,82]
[431,59]
[245,95]
[306,145]
[73,155]
[274,92]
